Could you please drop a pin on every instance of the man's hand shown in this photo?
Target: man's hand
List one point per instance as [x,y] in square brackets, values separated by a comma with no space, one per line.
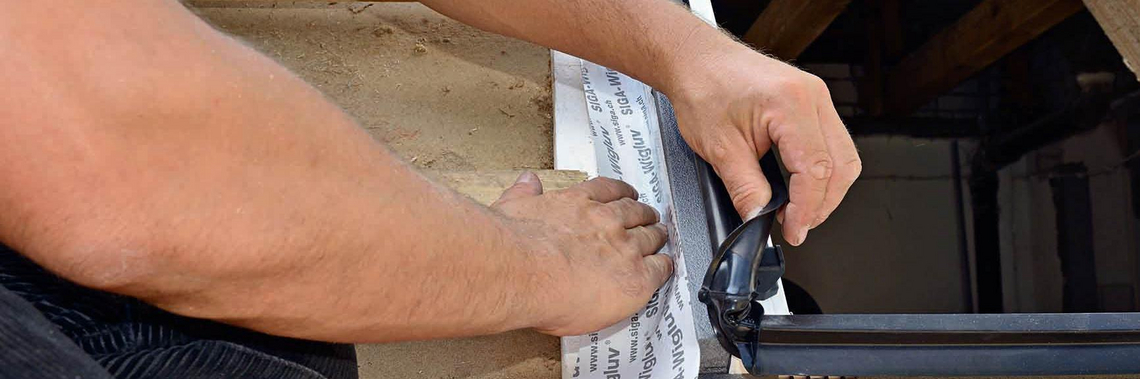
[594,247]
[734,105]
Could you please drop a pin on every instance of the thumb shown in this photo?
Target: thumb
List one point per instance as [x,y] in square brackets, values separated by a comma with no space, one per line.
[526,185]
[746,184]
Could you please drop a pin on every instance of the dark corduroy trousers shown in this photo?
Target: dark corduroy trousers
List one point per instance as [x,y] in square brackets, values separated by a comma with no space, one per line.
[52,328]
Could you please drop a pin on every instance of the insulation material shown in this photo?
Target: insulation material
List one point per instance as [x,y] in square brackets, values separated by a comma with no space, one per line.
[659,341]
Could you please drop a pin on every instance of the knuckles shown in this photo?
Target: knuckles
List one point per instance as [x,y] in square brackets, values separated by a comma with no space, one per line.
[572,195]
[717,150]
[635,208]
[626,204]
[816,83]
[604,221]
[800,87]
[855,167]
[819,165]
[601,215]
[634,281]
[748,195]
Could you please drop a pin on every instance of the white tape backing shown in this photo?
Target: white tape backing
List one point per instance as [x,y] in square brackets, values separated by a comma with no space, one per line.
[659,341]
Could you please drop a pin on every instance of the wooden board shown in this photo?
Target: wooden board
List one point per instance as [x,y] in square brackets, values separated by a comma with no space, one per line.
[486,186]
[1120,20]
[989,31]
[573,146]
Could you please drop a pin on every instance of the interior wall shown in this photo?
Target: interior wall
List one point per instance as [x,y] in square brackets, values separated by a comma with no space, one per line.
[893,245]
[1031,268]
[1029,224]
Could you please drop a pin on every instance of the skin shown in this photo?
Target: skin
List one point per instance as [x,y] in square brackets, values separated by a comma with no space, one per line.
[144,153]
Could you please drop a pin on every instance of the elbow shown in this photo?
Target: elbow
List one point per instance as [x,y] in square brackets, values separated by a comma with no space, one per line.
[119,270]
[93,258]
[169,276]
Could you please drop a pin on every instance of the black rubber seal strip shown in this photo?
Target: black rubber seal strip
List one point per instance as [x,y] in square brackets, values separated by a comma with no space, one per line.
[949,344]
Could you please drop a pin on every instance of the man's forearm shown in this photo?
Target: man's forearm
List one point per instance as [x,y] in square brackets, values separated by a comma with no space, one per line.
[149,155]
[654,41]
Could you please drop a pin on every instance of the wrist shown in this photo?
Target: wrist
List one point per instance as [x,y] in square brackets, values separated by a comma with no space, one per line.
[690,66]
[522,280]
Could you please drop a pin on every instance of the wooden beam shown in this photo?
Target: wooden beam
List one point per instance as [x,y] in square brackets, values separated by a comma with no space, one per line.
[1120,20]
[890,13]
[986,33]
[786,27]
[485,186]
[871,85]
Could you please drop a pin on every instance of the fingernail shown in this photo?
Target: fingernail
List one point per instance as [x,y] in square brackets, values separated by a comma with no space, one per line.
[780,217]
[802,236]
[752,214]
[820,171]
[527,177]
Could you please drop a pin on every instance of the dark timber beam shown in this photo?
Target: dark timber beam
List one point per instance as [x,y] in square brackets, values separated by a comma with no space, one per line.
[986,33]
[786,27]
[884,48]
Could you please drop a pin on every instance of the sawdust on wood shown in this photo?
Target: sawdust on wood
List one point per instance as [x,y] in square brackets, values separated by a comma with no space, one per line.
[414,79]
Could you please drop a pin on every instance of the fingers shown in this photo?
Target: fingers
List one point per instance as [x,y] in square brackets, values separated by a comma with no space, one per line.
[648,239]
[845,157]
[633,213]
[744,180]
[641,223]
[604,190]
[526,185]
[805,155]
[659,267]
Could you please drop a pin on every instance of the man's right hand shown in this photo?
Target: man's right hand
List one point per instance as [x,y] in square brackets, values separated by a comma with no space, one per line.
[592,252]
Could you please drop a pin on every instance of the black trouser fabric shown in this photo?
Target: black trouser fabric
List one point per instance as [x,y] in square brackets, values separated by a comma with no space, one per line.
[52,328]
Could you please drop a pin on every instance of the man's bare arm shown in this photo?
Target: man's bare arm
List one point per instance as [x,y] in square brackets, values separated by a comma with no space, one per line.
[648,39]
[146,154]
[732,103]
